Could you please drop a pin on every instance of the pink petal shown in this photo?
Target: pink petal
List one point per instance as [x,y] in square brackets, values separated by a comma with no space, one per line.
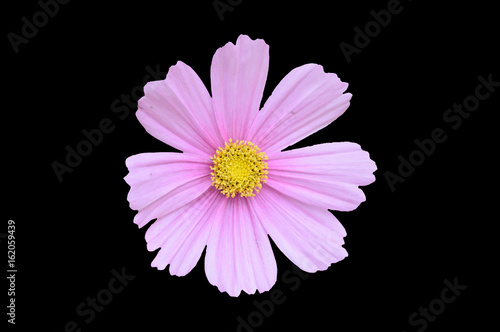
[306,100]
[238,76]
[183,234]
[239,255]
[325,175]
[178,111]
[161,182]
[311,237]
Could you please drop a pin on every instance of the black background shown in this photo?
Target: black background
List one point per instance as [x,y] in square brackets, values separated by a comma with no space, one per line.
[438,224]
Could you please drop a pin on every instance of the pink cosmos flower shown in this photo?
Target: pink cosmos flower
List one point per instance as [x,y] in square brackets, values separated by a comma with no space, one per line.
[232,185]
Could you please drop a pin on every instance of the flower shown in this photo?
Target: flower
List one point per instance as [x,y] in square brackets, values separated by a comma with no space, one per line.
[232,185]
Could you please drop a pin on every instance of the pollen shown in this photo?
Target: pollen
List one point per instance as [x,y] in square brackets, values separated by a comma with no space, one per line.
[239,168]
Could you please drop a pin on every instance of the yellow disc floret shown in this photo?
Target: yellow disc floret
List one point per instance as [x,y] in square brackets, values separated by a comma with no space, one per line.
[239,168]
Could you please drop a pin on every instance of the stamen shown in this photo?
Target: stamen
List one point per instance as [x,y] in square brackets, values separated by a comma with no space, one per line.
[239,168]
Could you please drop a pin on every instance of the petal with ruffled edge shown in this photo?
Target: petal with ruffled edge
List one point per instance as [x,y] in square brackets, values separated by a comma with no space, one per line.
[326,175]
[310,236]
[164,181]
[178,111]
[238,75]
[182,234]
[306,100]
[239,256]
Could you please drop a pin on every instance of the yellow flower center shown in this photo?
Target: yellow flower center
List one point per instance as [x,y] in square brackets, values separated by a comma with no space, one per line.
[239,168]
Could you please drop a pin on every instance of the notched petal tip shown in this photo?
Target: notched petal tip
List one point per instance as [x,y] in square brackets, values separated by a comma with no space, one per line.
[314,67]
[247,39]
[240,41]
[370,167]
[131,161]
